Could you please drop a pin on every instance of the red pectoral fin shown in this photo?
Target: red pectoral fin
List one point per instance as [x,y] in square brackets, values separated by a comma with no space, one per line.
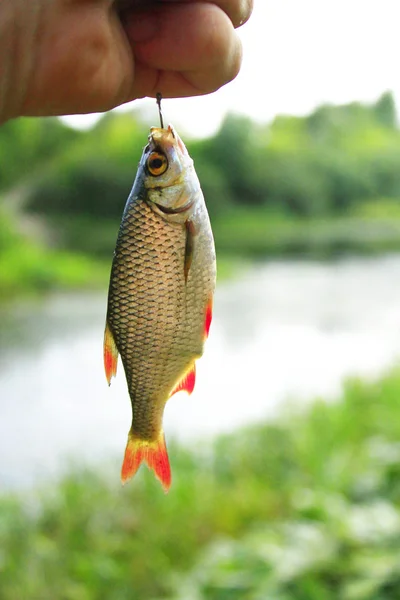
[153,453]
[189,247]
[186,384]
[208,318]
[110,354]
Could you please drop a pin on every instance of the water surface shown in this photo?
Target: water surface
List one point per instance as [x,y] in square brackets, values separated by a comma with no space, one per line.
[283,330]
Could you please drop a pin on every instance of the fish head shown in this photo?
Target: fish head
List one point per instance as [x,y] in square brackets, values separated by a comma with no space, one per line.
[169,179]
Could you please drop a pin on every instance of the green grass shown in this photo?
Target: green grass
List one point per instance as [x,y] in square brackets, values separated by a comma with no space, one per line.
[306,507]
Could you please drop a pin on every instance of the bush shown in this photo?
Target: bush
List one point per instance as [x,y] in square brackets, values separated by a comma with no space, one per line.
[306,507]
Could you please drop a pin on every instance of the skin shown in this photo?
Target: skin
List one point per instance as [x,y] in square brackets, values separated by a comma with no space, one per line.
[78,56]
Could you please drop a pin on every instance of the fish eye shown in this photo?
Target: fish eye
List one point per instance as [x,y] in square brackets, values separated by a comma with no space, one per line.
[157,164]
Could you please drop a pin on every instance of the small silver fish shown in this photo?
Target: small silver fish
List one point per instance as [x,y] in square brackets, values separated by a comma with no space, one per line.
[161,292]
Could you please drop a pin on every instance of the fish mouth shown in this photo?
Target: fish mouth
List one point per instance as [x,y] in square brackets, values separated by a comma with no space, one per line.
[174,211]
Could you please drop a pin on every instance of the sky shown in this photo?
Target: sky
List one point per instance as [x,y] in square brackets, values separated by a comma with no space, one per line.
[297,55]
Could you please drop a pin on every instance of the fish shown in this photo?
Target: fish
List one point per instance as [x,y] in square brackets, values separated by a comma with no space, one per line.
[160,296]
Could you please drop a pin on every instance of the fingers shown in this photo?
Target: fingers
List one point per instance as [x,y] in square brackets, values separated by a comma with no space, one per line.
[93,55]
[238,11]
[185,48]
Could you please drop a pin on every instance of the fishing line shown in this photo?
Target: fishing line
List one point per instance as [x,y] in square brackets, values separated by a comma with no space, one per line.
[159,98]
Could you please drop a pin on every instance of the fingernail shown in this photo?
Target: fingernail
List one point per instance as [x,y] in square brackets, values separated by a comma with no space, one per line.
[142,26]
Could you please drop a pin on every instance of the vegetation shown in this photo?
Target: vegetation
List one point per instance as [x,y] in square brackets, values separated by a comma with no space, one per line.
[306,507]
[27,267]
[318,185]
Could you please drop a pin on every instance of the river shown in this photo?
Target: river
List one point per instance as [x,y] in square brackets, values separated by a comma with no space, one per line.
[281,331]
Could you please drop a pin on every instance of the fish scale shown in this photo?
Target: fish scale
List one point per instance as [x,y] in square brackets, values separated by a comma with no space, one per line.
[160,295]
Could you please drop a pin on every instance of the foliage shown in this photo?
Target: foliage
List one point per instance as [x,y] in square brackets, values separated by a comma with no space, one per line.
[318,185]
[305,166]
[320,166]
[28,144]
[29,267]
[306,507]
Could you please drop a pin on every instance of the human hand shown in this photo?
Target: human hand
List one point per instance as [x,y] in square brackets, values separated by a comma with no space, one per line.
[77,56]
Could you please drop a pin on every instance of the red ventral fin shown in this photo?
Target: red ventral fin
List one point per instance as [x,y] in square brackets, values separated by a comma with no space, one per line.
[153,453]
[208,318]
[110,354]
[186,384]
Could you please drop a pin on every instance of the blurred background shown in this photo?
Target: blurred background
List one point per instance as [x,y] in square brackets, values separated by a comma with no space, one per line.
[286,458]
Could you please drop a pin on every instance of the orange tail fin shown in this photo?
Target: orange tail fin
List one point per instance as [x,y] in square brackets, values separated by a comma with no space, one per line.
[153,453]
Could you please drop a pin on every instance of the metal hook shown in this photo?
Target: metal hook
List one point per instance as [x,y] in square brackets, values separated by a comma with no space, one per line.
[159,98]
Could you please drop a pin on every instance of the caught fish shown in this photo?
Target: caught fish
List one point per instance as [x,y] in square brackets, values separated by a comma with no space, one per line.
[160,295]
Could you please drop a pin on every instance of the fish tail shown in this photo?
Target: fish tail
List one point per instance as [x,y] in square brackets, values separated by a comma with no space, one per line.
[153,453]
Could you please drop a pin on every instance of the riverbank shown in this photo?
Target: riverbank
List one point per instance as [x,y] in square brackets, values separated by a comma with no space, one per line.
[256,235]
[30,267]
[306,506]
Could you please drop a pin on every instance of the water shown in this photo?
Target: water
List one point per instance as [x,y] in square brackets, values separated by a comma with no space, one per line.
[284,330]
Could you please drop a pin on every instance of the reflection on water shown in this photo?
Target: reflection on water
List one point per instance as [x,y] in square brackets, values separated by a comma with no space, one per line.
[284,330]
